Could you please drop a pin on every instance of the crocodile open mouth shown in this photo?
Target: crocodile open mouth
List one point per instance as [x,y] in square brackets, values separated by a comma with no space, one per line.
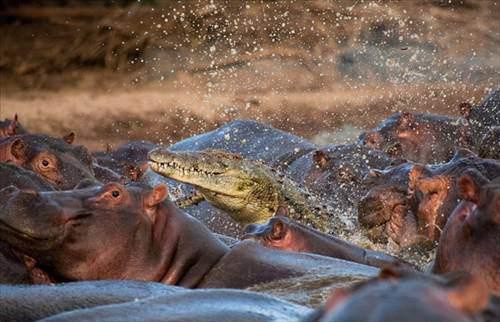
[175,167]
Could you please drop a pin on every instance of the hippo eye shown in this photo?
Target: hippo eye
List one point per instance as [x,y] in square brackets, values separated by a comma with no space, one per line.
[45,163]
[115,193]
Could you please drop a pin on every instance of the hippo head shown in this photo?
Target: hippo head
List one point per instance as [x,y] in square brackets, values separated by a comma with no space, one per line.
[471,238]
[274,234]
[338,170]
[391,130]
[386,209]
[436,194]
[408,130]
[11,127]
[93,233]
[55,160]
[404,296]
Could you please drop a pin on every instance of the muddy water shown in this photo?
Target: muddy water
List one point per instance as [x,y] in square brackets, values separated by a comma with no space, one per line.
[313,289]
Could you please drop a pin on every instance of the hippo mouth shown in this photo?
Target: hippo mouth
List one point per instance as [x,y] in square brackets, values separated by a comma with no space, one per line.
[379,221]
[8,230]
[39,241]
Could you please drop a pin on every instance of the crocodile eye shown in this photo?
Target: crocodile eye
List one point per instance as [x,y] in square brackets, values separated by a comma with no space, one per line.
[115,193]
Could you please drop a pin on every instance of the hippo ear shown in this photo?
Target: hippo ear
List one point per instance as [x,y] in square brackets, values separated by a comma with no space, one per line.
[69,138]
[13,151]
[465,109]
[467,293]
[12,128]
[157,196]
[153,199]
[406,120]
[372,139]
[278,229]
[469,185]
[320,158]
[395,271]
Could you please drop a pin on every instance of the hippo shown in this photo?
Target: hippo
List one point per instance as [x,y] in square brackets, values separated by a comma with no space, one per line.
[11,127]
[442,136]
[122,158]
[283,233]
[401,296]
[116,231]
[386,208]
[335,172]
[211,305]
[55,160]
[436,191]
[471,238]
[14,269]
[35,302]
[410,203]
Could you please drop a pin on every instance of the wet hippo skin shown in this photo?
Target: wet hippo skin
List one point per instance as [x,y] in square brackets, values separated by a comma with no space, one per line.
[30,303]
[283,233]
[249,263]
[195,305]
[398,295]
[471,238]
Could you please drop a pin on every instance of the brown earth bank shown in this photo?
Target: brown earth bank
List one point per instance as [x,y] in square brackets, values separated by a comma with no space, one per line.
[163,70]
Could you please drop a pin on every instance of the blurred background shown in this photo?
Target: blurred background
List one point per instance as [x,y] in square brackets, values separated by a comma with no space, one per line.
[114,71]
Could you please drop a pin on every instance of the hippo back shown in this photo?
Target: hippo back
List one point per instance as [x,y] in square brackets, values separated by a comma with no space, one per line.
[30,303]
[251,139]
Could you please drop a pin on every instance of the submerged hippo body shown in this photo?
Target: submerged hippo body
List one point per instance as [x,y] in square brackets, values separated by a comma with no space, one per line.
[194,305]
[35,302]
[424,138]
[133,232]
[282,233]
[55,160]
[471,238]
[408,297]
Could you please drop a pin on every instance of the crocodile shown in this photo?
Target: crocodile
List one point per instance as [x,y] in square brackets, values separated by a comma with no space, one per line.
[248,190]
